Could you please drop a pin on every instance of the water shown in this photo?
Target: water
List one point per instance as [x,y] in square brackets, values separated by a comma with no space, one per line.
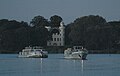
[56,65]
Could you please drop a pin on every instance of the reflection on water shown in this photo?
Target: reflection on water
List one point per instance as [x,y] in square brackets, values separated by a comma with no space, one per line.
[41,66]
[56,65]
[82,67]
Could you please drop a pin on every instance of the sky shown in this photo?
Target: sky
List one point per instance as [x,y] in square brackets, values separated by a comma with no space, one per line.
[69,10]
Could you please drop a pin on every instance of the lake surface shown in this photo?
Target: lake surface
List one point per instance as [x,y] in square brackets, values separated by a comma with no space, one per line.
[56,65]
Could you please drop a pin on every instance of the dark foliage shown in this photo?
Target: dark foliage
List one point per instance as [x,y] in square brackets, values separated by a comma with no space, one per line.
[92,32]
[14,35]
[55,21]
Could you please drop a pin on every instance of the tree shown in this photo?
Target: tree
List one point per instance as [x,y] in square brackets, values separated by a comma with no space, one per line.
[115,34]
[82,26]
[10,34]
[55,21]
[39,21]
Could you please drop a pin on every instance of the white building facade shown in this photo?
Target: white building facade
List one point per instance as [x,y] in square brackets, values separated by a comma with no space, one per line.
[58,35]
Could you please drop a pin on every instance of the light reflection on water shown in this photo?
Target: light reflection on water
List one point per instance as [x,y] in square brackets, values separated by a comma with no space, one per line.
[56,65]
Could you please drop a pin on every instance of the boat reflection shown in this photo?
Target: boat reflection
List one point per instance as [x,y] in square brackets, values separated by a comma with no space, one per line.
[82,67]
[41,62]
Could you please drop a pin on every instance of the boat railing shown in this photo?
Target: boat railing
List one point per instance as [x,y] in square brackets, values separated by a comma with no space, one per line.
[28,47]
[37,47]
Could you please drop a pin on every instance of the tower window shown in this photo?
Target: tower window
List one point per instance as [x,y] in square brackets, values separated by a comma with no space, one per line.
[54,39]
[60,39]
[57,39]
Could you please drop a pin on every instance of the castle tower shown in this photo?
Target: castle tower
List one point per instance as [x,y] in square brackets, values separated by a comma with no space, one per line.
[58,35]
[62,32]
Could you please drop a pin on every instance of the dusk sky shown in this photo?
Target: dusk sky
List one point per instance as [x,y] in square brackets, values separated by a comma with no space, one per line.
[69,10]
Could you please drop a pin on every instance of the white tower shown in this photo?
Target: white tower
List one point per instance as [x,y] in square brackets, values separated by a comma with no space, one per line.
[62,32]
[58,35]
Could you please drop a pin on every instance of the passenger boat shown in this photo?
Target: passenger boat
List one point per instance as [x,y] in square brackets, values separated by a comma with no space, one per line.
[33,52]
[77,52]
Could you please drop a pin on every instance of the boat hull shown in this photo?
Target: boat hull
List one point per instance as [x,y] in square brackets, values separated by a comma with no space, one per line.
[33,56]
[39,56]
[77,55]
[36,54]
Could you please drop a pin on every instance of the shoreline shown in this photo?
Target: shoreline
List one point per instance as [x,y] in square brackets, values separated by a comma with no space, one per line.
[62,52]
[60,49]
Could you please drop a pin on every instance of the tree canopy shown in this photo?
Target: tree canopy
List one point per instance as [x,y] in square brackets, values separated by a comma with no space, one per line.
[55,21]
[15,35]
[92,32]
[39,21]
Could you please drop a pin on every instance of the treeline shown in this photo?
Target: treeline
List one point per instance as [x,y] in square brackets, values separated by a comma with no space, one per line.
[92,32]
[14,36]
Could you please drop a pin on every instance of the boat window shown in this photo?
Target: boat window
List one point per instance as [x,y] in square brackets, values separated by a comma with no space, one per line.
[75,47]
[78,47]
[43,50]
[37,50]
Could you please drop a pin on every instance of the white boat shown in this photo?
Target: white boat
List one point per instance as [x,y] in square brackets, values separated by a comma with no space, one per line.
[33,52]
[77,52]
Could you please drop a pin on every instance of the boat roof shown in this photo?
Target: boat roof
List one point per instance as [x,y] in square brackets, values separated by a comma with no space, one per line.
[35,47]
